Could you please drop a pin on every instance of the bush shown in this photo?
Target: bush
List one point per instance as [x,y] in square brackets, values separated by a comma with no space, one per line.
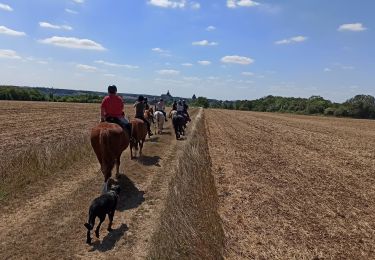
[330,111]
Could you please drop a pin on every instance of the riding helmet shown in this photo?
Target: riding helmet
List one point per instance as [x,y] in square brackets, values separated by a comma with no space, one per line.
[112,89]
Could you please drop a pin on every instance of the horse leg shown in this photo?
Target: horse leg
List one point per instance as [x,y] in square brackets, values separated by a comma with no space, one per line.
[118,167]
[106,184]
[141,147]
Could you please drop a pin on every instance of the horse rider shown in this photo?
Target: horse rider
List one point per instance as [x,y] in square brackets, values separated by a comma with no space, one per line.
[160,106]
[174,105]
[139,113]
[147,106]
[112,109]
[186,107]
[180,108]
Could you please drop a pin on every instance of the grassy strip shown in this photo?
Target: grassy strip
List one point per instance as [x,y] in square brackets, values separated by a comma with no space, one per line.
[190,227]
[35,163]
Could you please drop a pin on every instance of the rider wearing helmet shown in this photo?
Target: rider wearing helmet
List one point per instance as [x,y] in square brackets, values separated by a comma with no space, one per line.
[180,107]
[139,112]
[147,106]
[112,109]
[174,105]
[160,106]
[186,107]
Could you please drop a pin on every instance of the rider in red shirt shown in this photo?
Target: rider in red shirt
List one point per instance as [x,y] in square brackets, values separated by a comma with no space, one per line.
[112,109]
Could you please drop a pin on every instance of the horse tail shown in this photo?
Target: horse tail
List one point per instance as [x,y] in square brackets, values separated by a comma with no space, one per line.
[105,150]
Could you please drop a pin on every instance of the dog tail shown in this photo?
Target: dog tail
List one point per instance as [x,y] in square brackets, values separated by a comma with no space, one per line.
[88,226]
[91,222]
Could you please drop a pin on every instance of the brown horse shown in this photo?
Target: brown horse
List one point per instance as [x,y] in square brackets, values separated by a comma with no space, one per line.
[108,141]
[149,115]
[139,133]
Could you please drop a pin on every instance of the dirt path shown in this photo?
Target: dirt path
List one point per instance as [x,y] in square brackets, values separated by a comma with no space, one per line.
[294,187]
[51,224]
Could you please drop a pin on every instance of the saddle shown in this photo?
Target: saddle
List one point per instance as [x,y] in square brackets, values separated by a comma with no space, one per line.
[115,120]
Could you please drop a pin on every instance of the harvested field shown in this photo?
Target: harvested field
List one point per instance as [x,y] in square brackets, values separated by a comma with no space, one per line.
[294,187]
[46,220]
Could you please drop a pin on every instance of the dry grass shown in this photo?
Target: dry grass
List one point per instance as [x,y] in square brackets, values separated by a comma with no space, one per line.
[190,227]
[41,139]
[30,165]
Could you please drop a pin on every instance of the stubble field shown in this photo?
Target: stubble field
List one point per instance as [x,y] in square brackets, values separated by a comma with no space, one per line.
[288,187]
[294,187]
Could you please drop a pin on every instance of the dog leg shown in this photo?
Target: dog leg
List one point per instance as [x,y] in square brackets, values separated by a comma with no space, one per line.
[98,227]
[110,216]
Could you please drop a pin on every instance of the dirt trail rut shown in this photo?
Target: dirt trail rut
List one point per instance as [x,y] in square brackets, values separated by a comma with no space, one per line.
[51,224]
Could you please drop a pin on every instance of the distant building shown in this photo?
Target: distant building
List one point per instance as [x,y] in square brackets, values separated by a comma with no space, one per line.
[167,97]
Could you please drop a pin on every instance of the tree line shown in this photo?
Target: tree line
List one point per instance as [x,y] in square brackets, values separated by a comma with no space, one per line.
[32,94]
[360,106]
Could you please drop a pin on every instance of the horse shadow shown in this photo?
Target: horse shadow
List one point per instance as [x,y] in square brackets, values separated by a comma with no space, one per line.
[110,240]
[130,196]
[149,160]
[166,133]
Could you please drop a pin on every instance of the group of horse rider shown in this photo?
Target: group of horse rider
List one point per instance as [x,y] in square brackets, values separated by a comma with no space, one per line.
[112,109]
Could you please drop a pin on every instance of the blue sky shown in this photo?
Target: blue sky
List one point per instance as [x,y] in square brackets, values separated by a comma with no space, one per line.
[225,49]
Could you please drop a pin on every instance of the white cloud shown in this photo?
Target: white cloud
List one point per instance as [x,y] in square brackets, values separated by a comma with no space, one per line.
[187,64]
[159,50]
[73,43]
[241,3]
[5,7]
[162,52]
[9,54]
[168,3]
[295,39]
[210,28]
[204,43]
[7,31]
[53,26]
[70,11]
[79,1]
[237,59]
[109,75]
[116,65]
[168,72]
[353,27]
[204,62]
[195,5]
[86,68]
[247,73]
[174,4]
[327,70]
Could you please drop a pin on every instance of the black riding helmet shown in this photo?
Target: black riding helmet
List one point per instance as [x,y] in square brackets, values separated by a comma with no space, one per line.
[140,98]
[112,89]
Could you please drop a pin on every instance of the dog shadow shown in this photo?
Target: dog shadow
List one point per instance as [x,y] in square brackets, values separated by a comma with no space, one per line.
[149,160]
[130,196]
[110,240]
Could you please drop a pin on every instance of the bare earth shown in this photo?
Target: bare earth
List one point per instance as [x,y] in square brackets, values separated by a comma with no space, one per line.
[294,187]
[49,223]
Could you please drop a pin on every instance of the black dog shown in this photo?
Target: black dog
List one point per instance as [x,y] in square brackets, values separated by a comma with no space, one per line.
[100,207]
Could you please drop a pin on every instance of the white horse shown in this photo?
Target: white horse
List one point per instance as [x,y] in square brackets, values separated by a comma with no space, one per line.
[159,117]
[172,113]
